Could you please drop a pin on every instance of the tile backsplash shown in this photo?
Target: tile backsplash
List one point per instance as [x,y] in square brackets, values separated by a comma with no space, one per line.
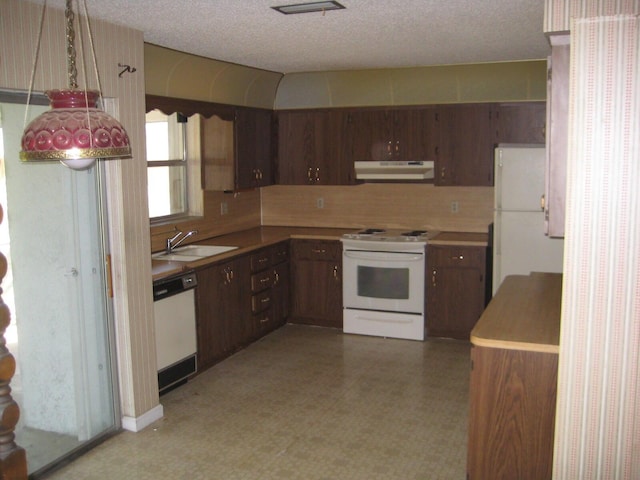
[468,209]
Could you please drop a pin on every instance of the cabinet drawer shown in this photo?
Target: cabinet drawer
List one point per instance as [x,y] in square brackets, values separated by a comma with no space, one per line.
[314,250]
[279,253]
[260,260]
[261,280]
[261,301]
[456,256]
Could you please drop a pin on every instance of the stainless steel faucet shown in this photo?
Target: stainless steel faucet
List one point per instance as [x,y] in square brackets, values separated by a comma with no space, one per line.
[174,241]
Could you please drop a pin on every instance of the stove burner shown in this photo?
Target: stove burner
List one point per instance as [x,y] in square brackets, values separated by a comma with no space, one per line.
[371,231]
[414,233]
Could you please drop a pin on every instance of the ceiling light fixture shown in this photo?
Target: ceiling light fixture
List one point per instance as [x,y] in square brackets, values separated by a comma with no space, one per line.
[74,131]
[309,7]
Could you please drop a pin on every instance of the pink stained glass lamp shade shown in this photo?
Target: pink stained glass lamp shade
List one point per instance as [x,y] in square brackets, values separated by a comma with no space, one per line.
[74,131]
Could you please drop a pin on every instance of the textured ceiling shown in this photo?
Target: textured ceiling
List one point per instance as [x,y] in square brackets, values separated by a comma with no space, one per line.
[367,34]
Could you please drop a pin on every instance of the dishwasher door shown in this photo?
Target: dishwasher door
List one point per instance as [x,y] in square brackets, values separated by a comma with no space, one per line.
[175,322]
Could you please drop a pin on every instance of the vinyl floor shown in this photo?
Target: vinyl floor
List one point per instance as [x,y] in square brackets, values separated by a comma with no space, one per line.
[305,403]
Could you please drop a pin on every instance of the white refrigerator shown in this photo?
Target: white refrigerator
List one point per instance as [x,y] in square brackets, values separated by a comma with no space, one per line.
[520,245]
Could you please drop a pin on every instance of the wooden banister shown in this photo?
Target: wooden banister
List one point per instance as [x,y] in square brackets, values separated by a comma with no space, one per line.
[13,459]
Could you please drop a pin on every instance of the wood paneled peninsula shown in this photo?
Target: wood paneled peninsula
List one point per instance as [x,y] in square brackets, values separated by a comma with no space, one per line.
[514,370]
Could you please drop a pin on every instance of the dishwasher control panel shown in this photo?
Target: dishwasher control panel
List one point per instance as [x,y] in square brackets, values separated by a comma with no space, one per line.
[170,286]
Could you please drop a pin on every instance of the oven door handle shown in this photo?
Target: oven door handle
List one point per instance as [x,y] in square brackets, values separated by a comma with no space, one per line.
[386,256]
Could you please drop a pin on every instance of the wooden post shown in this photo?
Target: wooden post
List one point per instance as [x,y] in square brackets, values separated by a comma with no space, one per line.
[13,459]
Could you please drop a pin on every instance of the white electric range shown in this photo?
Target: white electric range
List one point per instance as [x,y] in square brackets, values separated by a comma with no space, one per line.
[384,282]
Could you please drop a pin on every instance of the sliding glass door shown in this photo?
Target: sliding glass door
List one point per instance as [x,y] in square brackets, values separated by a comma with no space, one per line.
[60,333]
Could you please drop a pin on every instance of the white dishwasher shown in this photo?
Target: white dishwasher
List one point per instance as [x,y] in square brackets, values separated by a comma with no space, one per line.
[175,321]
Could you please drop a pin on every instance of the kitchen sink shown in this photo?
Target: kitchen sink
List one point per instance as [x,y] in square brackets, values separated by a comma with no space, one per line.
[190,253]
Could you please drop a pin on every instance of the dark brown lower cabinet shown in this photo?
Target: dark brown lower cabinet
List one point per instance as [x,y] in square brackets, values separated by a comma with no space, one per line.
[512,414]
[455,289]
[280,291]
[240,300]
[222,310]
[316,282]
[270,288]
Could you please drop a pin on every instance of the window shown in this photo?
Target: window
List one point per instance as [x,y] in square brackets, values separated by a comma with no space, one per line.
[166,165]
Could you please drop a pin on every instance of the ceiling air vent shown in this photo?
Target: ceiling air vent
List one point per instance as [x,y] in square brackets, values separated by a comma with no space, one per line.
[309,7]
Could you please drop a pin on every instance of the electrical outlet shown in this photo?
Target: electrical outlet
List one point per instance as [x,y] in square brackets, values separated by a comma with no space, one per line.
[224,208]
[455,207]
[320,202]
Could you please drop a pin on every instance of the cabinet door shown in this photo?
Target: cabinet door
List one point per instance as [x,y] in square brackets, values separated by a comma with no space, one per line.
[217,153]
[237,303]
[316,280]
[521,122]
[337,160]
[223,310]
[414,134]
[466,144]
[214,309]
[557,138]
[253,148]
[296,147]
[370,133]
[280,293]
[455,290]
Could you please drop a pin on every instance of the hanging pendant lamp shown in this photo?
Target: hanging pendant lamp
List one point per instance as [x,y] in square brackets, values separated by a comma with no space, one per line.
[74,131]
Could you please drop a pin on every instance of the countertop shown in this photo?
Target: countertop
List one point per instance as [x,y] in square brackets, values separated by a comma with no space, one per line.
[523,315]
[460,238]
[254,238]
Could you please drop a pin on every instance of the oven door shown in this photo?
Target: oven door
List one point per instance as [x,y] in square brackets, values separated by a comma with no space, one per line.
[383,281]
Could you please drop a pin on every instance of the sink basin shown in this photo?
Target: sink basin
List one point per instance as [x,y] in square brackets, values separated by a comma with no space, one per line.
[175,257]
[202,250]
[190,253]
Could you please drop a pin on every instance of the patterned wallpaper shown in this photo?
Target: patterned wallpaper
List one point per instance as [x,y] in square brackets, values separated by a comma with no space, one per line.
[558,13]
[597,428]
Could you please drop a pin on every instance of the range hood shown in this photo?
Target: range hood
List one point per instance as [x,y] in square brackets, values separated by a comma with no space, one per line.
[394,170]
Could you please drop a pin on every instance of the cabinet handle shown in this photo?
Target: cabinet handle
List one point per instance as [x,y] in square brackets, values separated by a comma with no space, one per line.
[457,257]
[335,272]
[389,148]
[542,202]
[397,147]
[318,250]
[276,278]
[265,300]
[442,172]
[433,278]
[228,275]
[309,175]
[264,320]
[317,174]
[264,280]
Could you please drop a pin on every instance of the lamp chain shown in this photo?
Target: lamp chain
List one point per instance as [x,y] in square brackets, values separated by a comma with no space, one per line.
[71,49]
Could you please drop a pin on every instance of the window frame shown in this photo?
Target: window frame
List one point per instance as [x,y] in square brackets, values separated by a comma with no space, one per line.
[189,108]
[182,163]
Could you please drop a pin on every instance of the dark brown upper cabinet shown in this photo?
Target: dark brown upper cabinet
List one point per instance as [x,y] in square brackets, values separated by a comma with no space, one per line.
[465,146]
[318,147]
[521,122]
[253,134]
[311,148]
[392,134]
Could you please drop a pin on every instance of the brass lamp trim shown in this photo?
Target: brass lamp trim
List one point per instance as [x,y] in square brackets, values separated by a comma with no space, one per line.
[103,153]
